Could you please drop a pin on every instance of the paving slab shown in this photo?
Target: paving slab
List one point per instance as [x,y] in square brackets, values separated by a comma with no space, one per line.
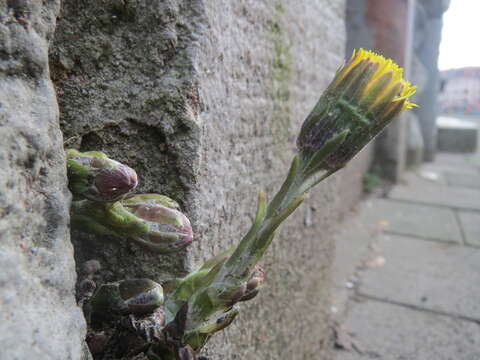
[467,169]
[451,159]
[470,222]
[427,274]
[458,198]
[474,159]
[452,163]
[390,332]
[351,248]
[463,180]
[424,221]
[424,176]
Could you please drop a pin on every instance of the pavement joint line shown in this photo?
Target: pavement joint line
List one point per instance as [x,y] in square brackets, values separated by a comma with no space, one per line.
[462,231]
[451,207]
[449,184]
[418,308]
[436,240]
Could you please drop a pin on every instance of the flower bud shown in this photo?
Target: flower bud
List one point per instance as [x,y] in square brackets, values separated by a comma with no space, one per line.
[134,296]
[151,220]
[92,175]
[364,96]
[168,229]
[254,284]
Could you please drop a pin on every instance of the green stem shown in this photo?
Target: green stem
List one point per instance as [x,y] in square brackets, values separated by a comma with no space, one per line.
[227,279]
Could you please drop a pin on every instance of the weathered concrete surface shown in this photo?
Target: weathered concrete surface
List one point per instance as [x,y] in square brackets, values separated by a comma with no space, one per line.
[470,222]
[391,332]
[204,100]
[422,273]
[416,220]
[124,76]
[39,318]
[265,66]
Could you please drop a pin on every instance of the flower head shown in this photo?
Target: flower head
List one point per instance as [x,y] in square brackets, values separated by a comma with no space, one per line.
[375,79]
[367,92]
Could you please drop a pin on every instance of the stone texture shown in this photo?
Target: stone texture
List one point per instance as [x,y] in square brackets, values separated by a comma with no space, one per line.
[204,100]
[459,198]
[416,220]
[391,332]
[470,222]
[39,318]
[421,273]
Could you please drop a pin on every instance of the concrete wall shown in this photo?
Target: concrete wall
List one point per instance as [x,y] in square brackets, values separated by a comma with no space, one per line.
[264,66]
[39,318]
[204,100]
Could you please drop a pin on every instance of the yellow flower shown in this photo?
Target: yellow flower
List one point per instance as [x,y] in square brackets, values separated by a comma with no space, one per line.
[380,79]
[367,92]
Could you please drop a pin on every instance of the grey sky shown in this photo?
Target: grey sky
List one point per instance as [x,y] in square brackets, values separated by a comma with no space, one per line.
[460,44]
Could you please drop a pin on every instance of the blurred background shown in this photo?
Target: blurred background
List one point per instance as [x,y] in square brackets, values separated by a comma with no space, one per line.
[408,259]
[204,99]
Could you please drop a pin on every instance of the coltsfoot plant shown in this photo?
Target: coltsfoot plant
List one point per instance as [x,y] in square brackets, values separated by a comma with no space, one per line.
[103,205]
[367,92]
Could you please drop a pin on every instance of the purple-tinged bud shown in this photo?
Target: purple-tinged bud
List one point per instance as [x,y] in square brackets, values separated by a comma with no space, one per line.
[167,229]
[92,175]
[134,296]
[114,183]
[254,284]
[151,220]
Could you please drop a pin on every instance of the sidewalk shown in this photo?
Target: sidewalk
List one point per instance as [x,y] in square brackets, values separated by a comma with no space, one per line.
[407,275]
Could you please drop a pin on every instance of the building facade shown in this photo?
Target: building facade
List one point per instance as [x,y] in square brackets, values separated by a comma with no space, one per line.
[460,91]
